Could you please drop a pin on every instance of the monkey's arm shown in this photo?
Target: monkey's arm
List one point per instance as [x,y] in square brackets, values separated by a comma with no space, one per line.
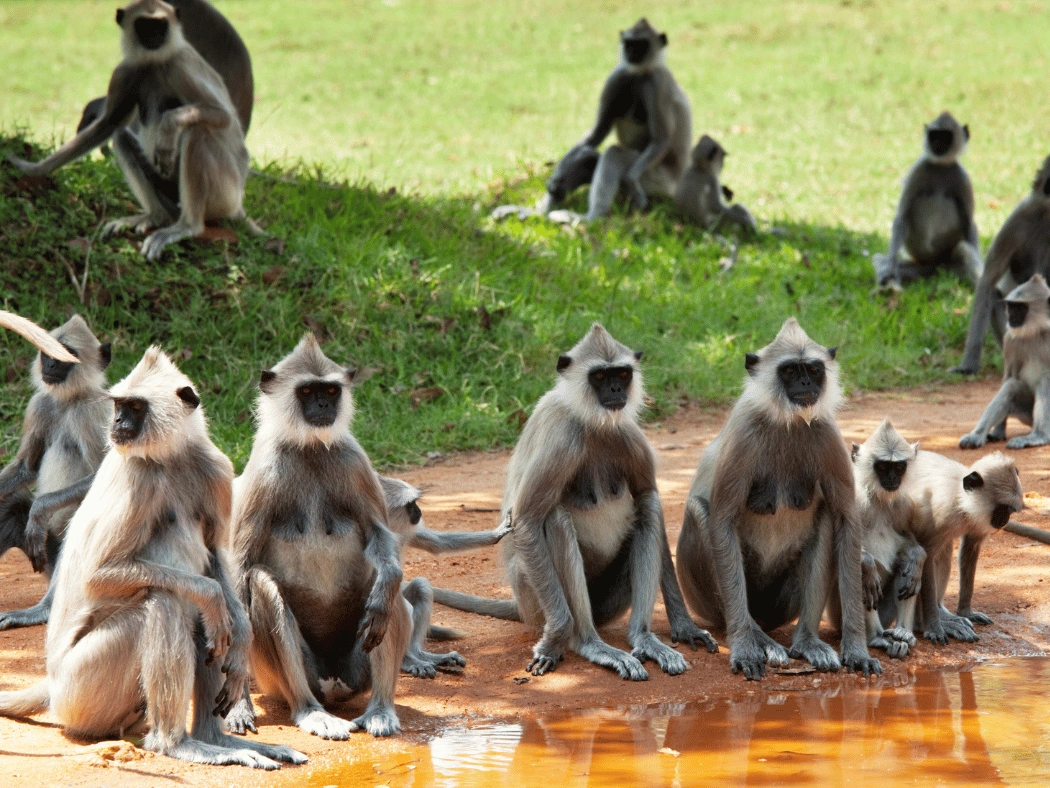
[683,628]
[969,552]
[43,507]
[236,665]
[996,412]
[965,203]
[24,468]
[613,104]
[381,551]
[438,542]
[121,99]
[201,107]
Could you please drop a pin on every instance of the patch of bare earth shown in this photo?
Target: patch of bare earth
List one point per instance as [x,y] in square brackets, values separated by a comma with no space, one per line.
[462,493]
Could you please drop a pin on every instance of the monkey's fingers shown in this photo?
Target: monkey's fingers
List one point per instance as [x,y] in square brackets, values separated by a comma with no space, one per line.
[372,630]
[541,664]
[35,548]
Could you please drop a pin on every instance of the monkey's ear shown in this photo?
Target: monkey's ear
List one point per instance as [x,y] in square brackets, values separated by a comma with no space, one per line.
[972,481]
[751,363]
[966,132]
[178,14]
[266,378]
[727,193]
[854,451]
[638,355]
[832,351]
[120,17]
[350,373]
[105,354]
[189,396]
[663,39]
[564,362]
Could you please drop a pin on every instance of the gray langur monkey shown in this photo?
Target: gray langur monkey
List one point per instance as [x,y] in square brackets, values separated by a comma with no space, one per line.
[891,560]
[1025,392]
[145,619]
[1019,250]
[183,156]
[699,192]
[934,223]
[211,34]
[63,441]
[406,521]
[318,568]
[950,501]
[588,537]
[771,517]
[653,124]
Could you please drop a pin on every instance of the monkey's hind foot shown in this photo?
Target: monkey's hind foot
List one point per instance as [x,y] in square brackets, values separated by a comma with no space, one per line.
[424,664]
[817,653]
[857,660]
[241,718]
[153,246]
[750,653]
[688,632]
[601,653]
[29,617]
[973,440]
[1027,441]
[276,752]
[895,649]
[195,751]
[971,615]
[381,721]
[140,224]
[900,634]
[320,723]
[959,628]
[669,660]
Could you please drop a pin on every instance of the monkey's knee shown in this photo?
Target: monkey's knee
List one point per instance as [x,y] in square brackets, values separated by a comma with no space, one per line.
[418,591]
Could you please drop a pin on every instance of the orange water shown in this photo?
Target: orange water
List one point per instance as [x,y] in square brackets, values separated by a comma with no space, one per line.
[989,725]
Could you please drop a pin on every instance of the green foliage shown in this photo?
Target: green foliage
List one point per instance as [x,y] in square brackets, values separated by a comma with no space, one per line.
[455,321]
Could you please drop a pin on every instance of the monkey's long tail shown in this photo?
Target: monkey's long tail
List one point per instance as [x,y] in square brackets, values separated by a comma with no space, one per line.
[436,632]
[1027,531]
[507,609]
[38,336]
[27,702]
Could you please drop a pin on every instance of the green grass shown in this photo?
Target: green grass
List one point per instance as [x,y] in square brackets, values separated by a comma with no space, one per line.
[459,105]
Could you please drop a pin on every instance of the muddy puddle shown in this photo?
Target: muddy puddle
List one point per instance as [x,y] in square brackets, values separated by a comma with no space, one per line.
[984,725]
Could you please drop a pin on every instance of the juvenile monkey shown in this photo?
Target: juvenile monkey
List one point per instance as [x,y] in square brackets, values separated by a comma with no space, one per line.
[319,570]
[653,124]
[588,535]
[951,501]
[699,192]
[1025,393]
[63,440]
[184,155]
[892,561]
[1020,249]
[144,619]
[771,517]
[934,222]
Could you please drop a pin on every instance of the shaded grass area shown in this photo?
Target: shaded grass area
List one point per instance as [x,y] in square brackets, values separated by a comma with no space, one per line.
[455,322]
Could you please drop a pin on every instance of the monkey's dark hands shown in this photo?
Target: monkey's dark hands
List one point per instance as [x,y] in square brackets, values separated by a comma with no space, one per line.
[857,660]
[689,633]
[373,623]
[218,627]
[871,583]
[639,199]
[233,689]
[935,633]
[910,579]
[35,540]
[241,717]
[974,616]
[542,663]
[972,440]
[750,652]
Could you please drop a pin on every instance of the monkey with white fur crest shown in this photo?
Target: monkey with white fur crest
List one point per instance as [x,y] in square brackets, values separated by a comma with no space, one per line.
[318,568]
[1025,392]
[144,620]
[63,441]
[699,192]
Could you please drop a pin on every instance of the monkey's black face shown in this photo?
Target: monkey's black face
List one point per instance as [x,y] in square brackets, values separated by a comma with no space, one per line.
[803,381]
[636,50]
[611,385]
[1001,515]
[414,514]
[129,414]
[151,32]
[1016,312]
[53,372]
[940,140]
[319,402]
[890,473]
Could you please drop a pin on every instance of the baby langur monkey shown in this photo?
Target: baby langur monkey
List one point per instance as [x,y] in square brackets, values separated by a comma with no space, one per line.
[771,519]
[406,521]
[934,223]
[1025,393]
[588,540]
[1020,249]
[891,561]
[951,501]
[63,441]
[318,568]
[144,618]
[699,192]
[184,155]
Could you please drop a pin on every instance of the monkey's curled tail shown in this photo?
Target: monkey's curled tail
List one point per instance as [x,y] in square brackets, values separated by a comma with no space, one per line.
[38,336]
[435,632]
[27,702]
[507,609]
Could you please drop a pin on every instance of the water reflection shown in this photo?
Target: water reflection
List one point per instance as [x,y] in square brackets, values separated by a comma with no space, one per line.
[985,726]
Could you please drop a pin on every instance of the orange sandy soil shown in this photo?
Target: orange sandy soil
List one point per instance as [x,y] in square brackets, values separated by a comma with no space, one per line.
[461,492]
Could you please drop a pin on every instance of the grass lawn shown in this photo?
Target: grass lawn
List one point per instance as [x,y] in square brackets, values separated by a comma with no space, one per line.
[459,105]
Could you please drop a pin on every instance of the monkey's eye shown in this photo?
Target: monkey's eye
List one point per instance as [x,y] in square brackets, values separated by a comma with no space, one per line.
[599,376]
[136,406]
[791,372]
[304,390]
[623,374]
[331,391]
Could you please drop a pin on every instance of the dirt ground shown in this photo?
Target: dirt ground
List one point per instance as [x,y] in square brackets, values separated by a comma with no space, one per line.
[462,492]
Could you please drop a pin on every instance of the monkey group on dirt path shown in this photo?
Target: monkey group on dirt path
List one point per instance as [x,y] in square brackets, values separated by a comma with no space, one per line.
[174,584]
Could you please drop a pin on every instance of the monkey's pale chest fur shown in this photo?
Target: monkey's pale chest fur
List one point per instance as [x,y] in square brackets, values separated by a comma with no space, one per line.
[936,225]
[602,510]
[778,517]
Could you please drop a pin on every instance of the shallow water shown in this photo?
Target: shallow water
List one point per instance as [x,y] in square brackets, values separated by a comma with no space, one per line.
[986,725]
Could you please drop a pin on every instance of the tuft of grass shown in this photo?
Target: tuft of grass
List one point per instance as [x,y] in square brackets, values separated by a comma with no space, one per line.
[455,321]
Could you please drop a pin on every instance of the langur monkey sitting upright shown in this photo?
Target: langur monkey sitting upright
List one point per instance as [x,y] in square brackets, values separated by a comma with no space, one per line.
[892,561]
[144,618]
[771,518]
[63,441]
[653,124]
[1020,249]
[184,157]
[699,192]
[1025,392]
[934,222]
[588,537]
[318,568]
